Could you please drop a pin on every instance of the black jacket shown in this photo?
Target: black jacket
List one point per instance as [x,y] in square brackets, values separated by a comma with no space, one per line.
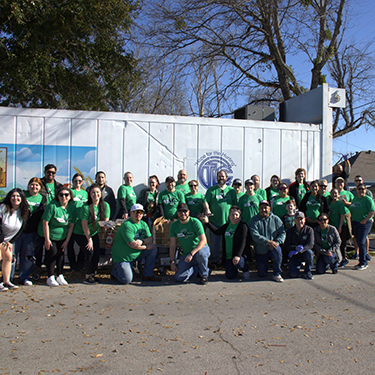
[241,239]
[304,238]
[293,190]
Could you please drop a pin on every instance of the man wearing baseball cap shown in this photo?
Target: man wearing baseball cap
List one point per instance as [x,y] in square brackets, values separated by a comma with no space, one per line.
[237,186]
[133,242]
[189,232]
[268,233]
[298,245]
[169,199]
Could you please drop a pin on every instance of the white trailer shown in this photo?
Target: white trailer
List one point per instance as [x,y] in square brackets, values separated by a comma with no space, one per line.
[153,144]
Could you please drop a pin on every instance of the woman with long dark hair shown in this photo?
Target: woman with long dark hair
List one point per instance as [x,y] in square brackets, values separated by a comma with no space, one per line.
[86,230]
[14,211]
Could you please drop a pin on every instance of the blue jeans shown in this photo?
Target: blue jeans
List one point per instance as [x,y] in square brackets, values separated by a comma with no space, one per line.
[123,271]
[296,260]
[324,261]
[24,248]
[215,247]
[361,231]
[231,270]
[262,261]
[199,263]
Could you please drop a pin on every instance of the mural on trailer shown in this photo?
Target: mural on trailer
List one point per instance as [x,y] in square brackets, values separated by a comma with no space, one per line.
[21,162]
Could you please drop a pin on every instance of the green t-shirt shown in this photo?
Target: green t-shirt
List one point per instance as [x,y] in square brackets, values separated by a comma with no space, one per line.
[34,201]
[170,202]
[355,193]
[278,206]
[220,202]
[50,188]
[349,196]
[80,197]
[129,231]
[229,233]
[195,202]
[262,194]
[274,193]
[83,213]
[187,234]
[360,208]
[59,219]
[127,192]
[301,192]
[336,210]
[249,206]
[312,208]
[239,196]
[325,243]
[151,197]
[184,188]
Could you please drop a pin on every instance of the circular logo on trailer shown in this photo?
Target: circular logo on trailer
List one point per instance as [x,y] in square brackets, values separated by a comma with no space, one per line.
[211,163]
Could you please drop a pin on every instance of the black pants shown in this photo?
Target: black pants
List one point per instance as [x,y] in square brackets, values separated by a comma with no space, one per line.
[344,235]
[91,258]
[75,264]
[55,257]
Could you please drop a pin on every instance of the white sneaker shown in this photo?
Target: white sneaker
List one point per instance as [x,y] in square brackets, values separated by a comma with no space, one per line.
[246,275]
[60,279]
[278,278]
[9,285]
[51,281]
[3,288]
[27,282]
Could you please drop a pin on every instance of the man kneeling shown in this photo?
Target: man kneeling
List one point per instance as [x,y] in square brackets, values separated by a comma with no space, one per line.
[133,242]
[195,252]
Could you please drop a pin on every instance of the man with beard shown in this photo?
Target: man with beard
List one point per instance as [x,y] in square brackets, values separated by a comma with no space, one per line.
[182,184]
[220,199]
[49,182]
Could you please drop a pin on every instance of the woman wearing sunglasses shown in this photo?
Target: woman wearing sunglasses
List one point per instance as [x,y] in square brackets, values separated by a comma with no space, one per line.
[57,224]
[196,201]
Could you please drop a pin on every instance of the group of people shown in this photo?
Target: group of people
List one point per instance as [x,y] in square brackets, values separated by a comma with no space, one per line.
[288,223]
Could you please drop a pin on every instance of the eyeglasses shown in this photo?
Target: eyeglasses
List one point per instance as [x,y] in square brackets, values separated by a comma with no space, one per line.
[50,172]
[323,220]
[137,212]
[66,195]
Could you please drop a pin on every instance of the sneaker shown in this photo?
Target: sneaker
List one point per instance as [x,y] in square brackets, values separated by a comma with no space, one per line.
[308,276]
[204,280]
[3,288]
[278,278]
[343,263]
[359,267]
[51,281]
[10,285]
[90,280]
[246,275]
[60,279]
[335,271]
[27,282]
[151,278]
[355,256]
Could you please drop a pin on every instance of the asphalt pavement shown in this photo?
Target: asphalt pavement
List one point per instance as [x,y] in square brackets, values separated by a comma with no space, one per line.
[320,326]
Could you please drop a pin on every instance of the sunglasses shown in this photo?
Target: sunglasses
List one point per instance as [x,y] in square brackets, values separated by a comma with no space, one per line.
[182,211]
[50,172]
[66,195]
[361,189]
[78,181]
[358,180]
[138,212]
[323,186]
[193,185]
[283,188]
[323,220]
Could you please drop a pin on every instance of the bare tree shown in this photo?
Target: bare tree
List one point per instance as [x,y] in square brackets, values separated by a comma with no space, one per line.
[352,68]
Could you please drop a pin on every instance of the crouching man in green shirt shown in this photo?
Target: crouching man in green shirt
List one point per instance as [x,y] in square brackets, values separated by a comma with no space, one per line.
[133,242]
[195,252]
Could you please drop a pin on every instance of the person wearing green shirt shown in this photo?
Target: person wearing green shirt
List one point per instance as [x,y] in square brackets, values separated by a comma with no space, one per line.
[362,210]
[148,199]
[220,199]
[249,203]
[126,196]
[196,201]
[299,187]
[346,197]
[169,199]
[337,218]
[80,197]
[272,191]
[278,203]
[359,180]
[85,231]
[189,232]
[49,183]
[258,190]
[182,184]
[237,186]
[323,185]
[58,222]
[133,242]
